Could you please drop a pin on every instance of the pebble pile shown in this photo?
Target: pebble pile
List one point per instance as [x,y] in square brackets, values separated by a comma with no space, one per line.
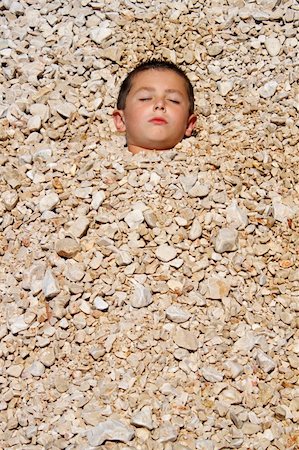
[149,301]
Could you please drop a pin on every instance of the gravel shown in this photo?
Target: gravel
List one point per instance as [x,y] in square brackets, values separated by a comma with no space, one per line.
[149,301]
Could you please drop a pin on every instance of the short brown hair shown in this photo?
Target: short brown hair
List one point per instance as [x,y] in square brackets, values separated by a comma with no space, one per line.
[158,65]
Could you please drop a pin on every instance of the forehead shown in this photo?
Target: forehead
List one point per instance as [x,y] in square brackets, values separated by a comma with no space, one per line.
[159,79]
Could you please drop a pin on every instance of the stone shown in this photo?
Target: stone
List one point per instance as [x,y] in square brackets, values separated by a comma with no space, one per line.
[224,87]
[165,252]
[79,227]
[141,297]
[10,199]
[265,362]
[109,430]
[199,190]
[47,357]
[67,247]
[176,314]
[34,123]
[97,199]
[218,287]
[268,89]
[167,432]
[195,231]
[37,369]
[100,33]
[50,285]
[210,374]
[214,49]
[48,202]
[185,339]
[134,218]
[65,109]
[143,418]
[61,384]
[236,216]
[273,46]
[100,304]
[226,240]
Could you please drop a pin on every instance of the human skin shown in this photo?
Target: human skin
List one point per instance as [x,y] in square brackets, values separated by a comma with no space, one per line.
[156,114]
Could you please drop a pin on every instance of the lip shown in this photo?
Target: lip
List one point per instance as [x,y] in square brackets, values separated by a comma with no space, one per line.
[158,121]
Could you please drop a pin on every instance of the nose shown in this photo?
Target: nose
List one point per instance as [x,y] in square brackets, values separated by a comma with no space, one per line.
[159,104]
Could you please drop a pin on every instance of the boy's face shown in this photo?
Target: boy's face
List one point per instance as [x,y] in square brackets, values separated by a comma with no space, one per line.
[156,114]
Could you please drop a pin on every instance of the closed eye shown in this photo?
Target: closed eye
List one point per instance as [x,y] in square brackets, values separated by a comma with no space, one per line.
[177,102]
[144,99]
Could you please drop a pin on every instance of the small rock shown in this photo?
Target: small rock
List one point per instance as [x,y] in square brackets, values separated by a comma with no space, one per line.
[67,247]
[211,374]
[34,123]
[110,430]
[226,240]
[273,46]
[65,109]
[177,315]
[195,230]
[50,286]
[47,357]
[15,370]
[83,192]
[100,33]
[37,369]
[61,384]
[141,296]
[134,218]
[17,324]
[143,418]
[218,287]
[268,90]
[97,199]
[100,304]
[224,87]
[214,49]
[199,190]
[48,202]
[265,362]
[10,199]
[185,339]
[166,253]
[167,432]
[79,227]
[236,216]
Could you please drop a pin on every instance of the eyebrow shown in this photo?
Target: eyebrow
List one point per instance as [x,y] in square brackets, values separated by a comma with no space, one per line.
[167,91]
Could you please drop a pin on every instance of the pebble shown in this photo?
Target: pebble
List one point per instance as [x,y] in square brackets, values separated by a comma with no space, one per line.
[141,296]
[177,315]
[79,227]
[166,253]
[50,286]
[218,288]
[109,430]
[100,304]
[143,418]
[273,46]
[116,303]
[265,362]
[48,202]
[67,247]
[268,89]
[226,240]
[185,339]
[10,199]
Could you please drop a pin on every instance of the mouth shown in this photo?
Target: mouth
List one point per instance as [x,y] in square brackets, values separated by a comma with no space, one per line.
[158,121]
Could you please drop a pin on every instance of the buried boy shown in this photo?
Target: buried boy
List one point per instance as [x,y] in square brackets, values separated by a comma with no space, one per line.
[155,107]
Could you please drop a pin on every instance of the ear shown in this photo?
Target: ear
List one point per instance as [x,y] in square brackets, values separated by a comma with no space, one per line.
[119,120]
[190,125]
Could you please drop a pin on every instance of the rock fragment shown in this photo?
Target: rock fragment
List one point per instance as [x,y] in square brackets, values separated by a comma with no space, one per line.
[143,418]
[67,247]
[226,240]
[166,253]
[110,430]
[185,339]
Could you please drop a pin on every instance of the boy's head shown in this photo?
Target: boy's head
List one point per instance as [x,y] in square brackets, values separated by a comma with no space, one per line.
[155,106]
